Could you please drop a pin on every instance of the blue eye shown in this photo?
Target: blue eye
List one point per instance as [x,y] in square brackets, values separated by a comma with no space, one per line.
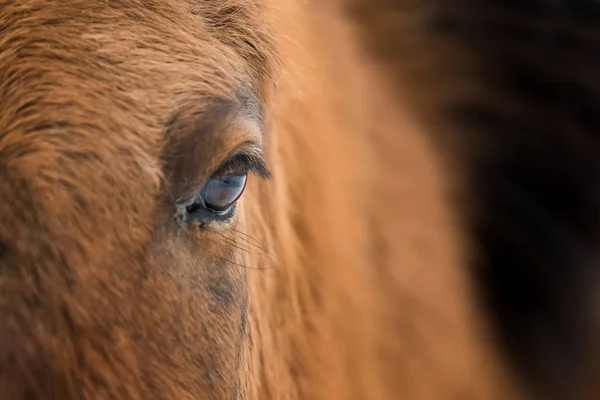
[217,199]
[221,192]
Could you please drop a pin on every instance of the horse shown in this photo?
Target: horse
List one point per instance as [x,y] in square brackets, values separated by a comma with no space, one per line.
[280,199]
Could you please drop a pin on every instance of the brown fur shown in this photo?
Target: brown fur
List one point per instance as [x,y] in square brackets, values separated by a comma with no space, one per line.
[342,277]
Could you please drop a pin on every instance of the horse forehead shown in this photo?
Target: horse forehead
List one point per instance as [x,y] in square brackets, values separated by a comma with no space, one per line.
[87,87]
[207,37]
[145,47]
[101,79]
[138,61]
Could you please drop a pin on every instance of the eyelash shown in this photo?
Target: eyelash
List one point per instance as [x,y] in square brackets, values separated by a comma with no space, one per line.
[246,161]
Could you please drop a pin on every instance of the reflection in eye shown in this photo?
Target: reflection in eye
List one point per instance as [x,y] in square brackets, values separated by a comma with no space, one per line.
[221,192]
[218,197]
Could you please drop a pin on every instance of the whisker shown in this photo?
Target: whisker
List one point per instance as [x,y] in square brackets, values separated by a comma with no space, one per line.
[252,245]
[250,240]
[227,260]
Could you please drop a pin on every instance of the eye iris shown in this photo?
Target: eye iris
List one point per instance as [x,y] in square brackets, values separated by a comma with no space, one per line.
[221,192]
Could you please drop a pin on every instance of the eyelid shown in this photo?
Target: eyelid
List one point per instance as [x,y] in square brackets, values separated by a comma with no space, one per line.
[251,157]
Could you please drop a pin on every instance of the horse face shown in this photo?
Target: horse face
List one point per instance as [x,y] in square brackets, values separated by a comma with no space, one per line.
[127,134]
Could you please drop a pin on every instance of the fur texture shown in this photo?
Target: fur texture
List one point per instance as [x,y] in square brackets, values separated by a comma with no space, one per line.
[352,273]
[510,95]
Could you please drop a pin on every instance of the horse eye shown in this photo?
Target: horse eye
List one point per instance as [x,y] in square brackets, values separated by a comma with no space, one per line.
[220,193]
[222,190]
